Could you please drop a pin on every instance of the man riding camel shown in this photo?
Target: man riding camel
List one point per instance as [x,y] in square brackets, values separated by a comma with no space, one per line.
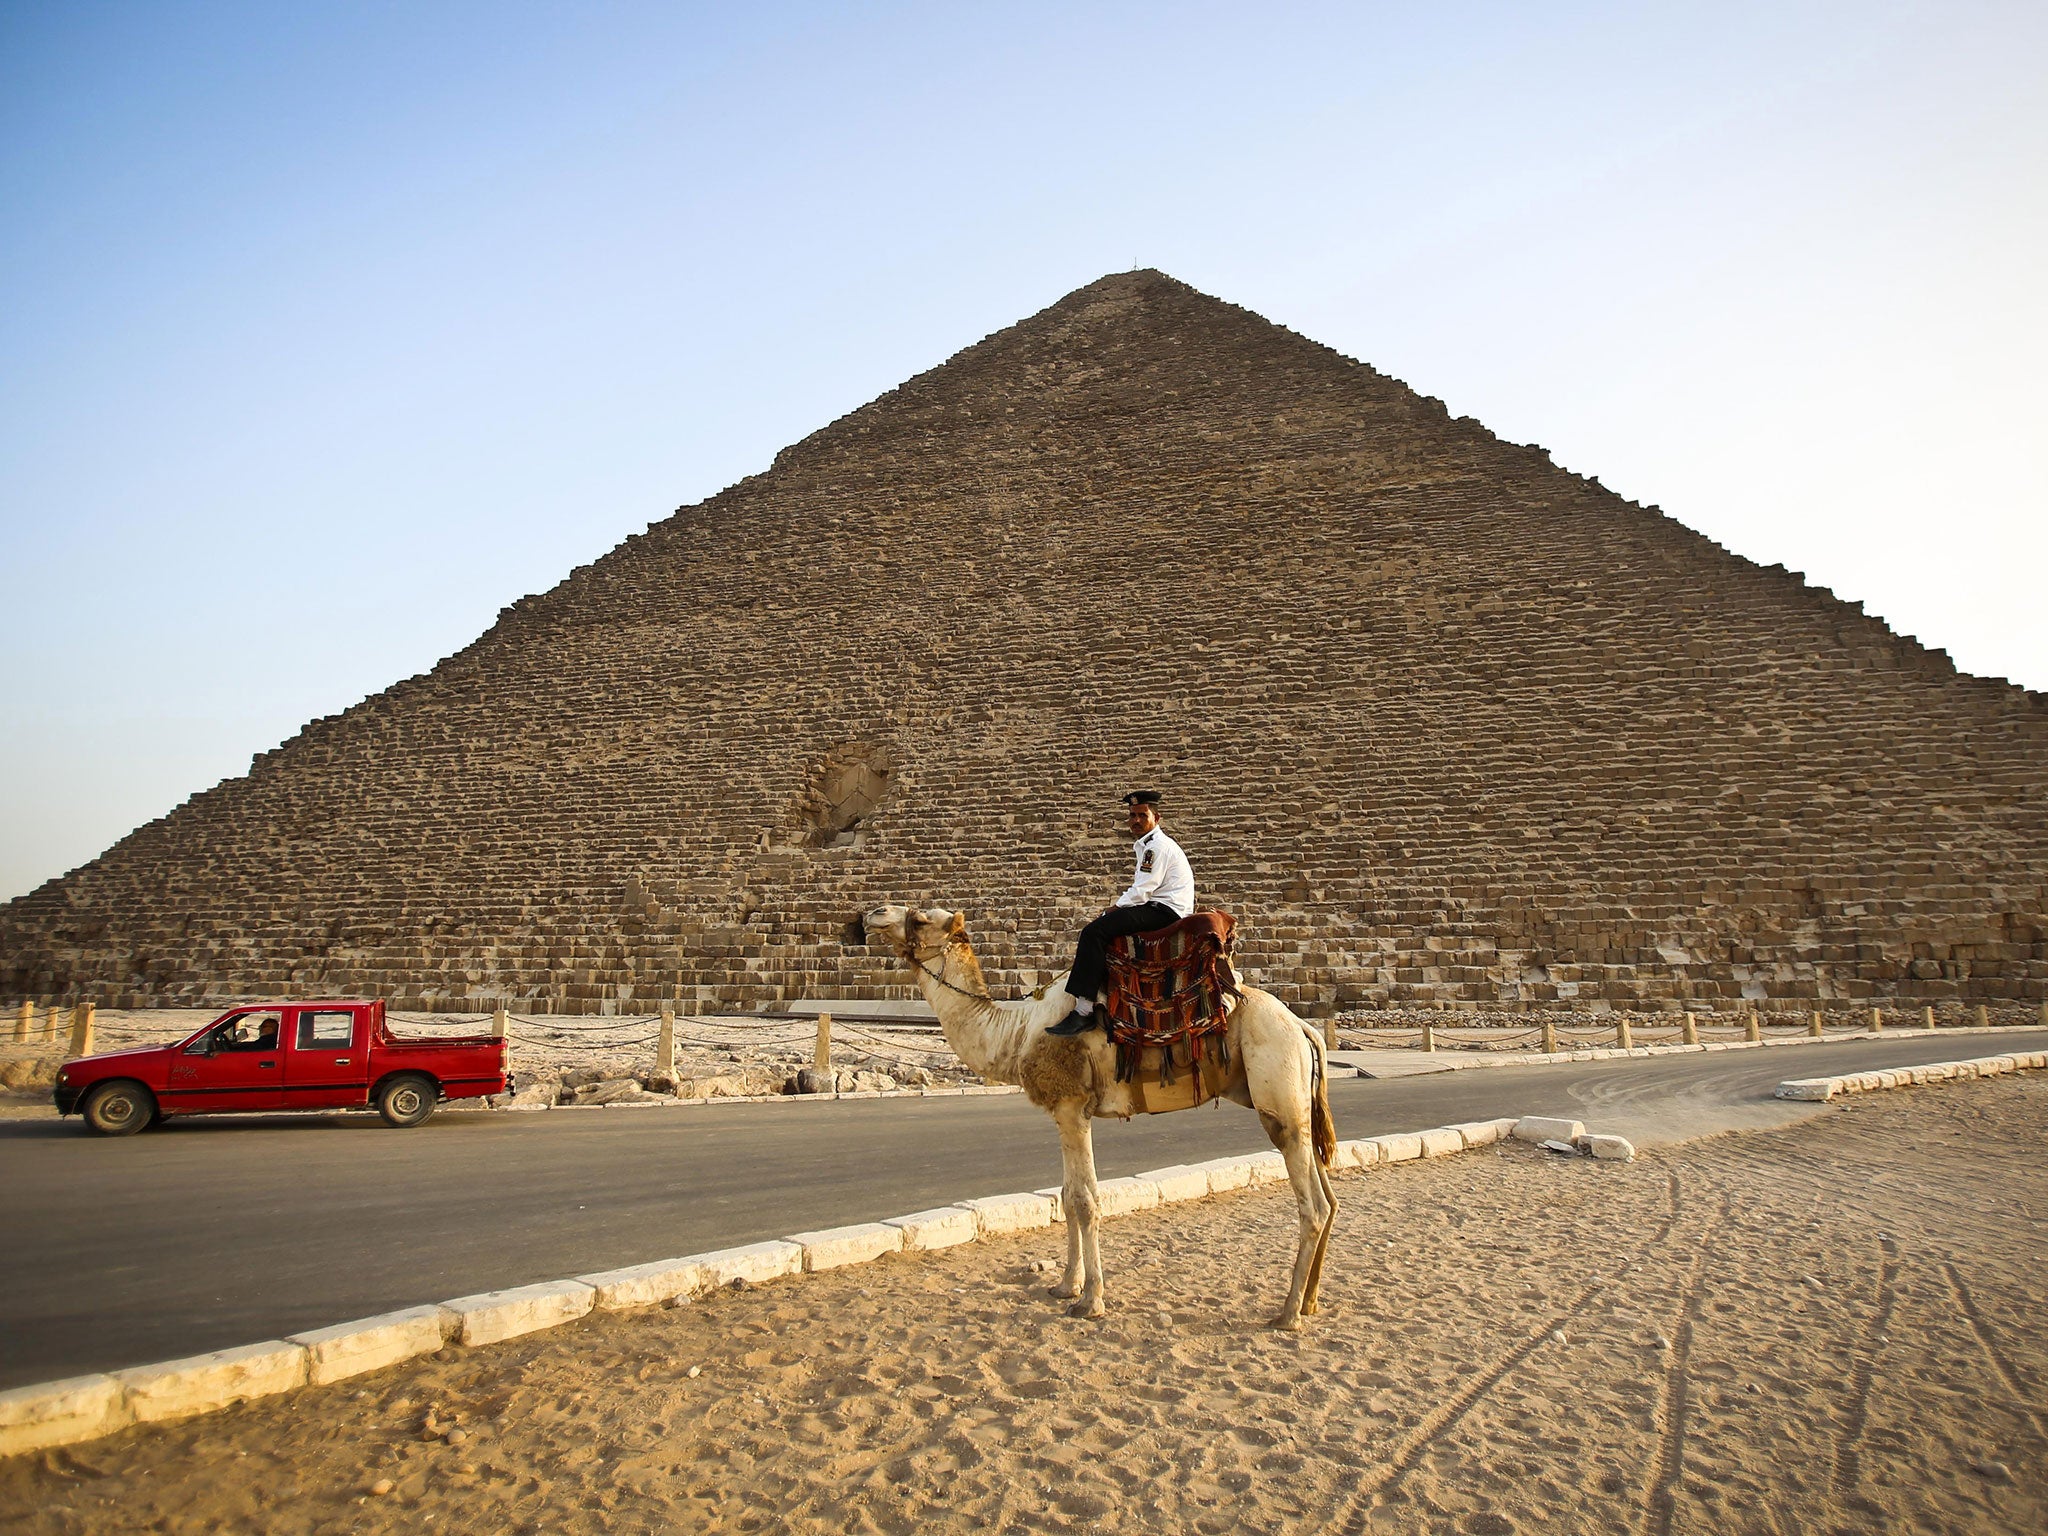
[1161,893]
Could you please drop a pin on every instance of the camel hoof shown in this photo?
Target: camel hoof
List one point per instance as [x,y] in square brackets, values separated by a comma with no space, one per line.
[1310,1308]
[1286,1323]
[1084,1309]
[1065,1292]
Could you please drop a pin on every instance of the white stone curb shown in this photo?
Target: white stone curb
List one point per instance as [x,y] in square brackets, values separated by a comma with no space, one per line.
[1461,1059]
[1821,1089]
[89,1407]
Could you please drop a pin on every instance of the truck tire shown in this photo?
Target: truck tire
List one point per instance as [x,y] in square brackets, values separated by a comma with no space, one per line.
[119,1109]
[407,1099]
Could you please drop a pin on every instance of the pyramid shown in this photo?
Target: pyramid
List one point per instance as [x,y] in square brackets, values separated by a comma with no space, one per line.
[1439,721]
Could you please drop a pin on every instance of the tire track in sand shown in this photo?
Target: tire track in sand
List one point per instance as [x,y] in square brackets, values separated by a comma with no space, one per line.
[1967,1304]
[1660,1500]
[1876,1333]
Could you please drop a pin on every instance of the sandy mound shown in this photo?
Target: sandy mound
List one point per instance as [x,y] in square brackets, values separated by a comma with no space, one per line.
[1831,1327]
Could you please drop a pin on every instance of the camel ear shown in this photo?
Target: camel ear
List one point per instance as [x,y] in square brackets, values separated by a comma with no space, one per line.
[958,925]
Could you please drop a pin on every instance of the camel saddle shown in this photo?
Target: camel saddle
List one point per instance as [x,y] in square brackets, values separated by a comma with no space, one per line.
[1169,999]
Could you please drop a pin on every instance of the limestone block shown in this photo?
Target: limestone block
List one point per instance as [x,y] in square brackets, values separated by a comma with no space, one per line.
[1963,1072]
[836,1247]
[1356,1154]
[751,1262]
[177,1389]
[1267,1168]
[61,1413]
[658,1284]
[1122,1197]
[1401,1147]
[1548,1128]
[1813,1088]
[1937,1072]
[1058,1197]
[997,1214]
[1226,1173]
[1443,1141]
[945,1227]
[490,1316]
[371,1343]
[1179,1182]
[1612,1149]
[1994,1066]
[1482,1133]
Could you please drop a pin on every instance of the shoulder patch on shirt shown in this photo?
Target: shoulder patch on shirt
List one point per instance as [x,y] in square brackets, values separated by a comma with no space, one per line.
[1145,864]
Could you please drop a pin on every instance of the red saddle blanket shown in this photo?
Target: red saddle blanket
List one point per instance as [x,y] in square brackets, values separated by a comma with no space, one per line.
[1171,990]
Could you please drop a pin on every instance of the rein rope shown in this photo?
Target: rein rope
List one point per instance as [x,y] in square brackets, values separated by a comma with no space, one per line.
[939,976]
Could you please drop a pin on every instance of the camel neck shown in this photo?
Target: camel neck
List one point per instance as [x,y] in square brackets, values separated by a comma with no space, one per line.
[984,1034]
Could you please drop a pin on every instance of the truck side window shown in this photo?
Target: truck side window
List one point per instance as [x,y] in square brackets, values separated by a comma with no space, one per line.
[249,1032]
[326,1030]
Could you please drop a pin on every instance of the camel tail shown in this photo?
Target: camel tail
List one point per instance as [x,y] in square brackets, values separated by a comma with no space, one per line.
[1322,1126]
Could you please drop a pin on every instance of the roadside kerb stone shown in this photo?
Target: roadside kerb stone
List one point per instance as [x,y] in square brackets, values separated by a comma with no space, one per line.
[836,1247]
[1441,1142]
[999,1214]
[178,1389]
[371,1343]
[490,1316]
[1178,1182]
[946,1227]
[61,1413]
[1821,1089]
[1226,1174]
[755,1263]
[1399,1146]
[1612,1149]
[1125,1197]
[1541,1128]
[665,1282]
[1357,1154]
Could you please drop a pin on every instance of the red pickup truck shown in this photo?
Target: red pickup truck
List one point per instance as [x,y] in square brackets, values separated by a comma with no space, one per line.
[270,1056]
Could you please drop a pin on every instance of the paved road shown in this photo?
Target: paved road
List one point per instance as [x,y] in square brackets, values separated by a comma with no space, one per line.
[215,1232]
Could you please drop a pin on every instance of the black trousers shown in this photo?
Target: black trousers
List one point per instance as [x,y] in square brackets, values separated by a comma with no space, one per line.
[1090,969]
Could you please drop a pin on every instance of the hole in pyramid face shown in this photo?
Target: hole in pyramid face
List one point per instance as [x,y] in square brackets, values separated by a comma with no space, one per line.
[844,789]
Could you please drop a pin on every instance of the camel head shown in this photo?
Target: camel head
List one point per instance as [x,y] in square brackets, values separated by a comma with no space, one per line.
[913,934]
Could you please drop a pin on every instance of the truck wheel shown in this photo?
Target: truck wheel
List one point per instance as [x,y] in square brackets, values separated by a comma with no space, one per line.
[407,1100]
[119,1109]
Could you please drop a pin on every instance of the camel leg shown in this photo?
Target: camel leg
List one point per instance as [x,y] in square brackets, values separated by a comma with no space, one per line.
[1311,1297]
[1078,1205]
[1312,1205]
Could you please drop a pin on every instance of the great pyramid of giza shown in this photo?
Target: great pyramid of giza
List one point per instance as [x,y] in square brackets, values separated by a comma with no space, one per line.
[1437,719]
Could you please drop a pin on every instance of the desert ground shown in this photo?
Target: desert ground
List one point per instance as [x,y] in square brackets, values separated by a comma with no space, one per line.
[1831,1327]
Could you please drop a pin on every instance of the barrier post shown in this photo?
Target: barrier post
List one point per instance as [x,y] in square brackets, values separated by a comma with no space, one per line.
[81,1030]
[499,1021]
[1691,1036]
[1983,1017]
[24,1021]
[50,1021]
[1752,1029]
[1877,1021]
[1549,1038]
[1622,1035]
[1813,1024]
[1930,1015]
[821,1058]
[665,1048]
[1428,1035]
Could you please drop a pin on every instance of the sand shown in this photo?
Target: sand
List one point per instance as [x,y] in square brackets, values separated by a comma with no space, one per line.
[1832,1327]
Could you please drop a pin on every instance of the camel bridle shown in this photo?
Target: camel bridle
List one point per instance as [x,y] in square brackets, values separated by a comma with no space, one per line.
[939,975]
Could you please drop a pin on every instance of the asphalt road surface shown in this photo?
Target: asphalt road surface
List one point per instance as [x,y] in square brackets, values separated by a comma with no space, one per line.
[207,1233]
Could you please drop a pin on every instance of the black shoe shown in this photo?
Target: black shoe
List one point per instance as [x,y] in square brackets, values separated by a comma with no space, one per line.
[1073,1024]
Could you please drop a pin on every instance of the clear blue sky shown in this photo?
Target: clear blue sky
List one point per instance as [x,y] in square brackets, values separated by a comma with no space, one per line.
[327,330]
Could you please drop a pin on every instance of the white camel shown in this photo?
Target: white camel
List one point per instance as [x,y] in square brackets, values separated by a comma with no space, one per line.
[1276,1067]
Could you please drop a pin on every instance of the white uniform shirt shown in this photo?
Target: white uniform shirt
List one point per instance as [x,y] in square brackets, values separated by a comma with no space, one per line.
[1162,875]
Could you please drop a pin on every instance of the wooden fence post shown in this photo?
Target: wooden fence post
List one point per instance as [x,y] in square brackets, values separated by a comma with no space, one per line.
[1549,1037]
[1752,1027]
[665,1047]
[1691,1036]
[1930,1015]
[821,1059]
[1623,1037]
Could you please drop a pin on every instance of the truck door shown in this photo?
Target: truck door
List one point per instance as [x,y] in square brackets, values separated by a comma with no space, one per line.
[328,1065]
[237,1064]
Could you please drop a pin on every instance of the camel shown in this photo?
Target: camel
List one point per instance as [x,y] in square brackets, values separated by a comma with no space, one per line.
[1276,1068]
